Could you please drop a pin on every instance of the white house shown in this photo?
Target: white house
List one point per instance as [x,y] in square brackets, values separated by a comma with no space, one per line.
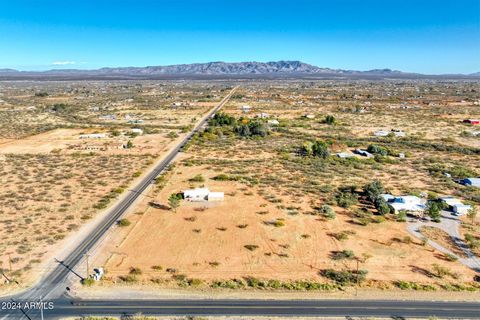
[263,115]
[273,122]
[384,133]
[202,194]
[137,131]
[381,133]
[410,204]
[198,194]
[344,155]
[93,136]
[246,109]
[309,116]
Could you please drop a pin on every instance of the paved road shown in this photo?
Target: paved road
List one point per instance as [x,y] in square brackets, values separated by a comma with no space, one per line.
[54,284]
[451,225]
[310,308]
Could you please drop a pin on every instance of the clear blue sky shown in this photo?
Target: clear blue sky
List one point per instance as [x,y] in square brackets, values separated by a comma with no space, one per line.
[410,35]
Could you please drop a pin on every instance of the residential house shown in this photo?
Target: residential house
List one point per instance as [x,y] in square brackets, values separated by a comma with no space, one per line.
[93,136]
[202,194]
[273,122]
[456,205]
[410,204]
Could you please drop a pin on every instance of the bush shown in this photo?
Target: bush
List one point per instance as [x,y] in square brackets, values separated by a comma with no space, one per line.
[330,119]
[376,149]
[346,197]
[341,255]
[124,223]
[345,277]
[327,211]
[251,247]
[197,178]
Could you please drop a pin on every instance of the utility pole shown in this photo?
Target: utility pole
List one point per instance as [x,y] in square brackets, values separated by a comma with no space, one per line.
[356,287]
[10,261]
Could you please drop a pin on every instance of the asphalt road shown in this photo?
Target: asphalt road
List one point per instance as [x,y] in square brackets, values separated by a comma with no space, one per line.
[288,308]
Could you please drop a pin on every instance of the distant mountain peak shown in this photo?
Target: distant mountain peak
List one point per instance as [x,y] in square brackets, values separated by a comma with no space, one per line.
[281,68]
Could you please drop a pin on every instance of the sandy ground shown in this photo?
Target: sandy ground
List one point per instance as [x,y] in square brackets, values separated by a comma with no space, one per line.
[201,249]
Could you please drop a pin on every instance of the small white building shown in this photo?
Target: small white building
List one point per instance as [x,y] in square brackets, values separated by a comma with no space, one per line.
[456,205]
[246,109]
[309,116]
[202,194]
[344,155]
[198,194]
[93,136]
[273,122]
[136,131]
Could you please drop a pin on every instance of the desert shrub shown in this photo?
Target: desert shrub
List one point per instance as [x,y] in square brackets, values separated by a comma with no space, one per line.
[346,196]
[376,149]
[88,281]
[124,223]
[135,271]
[251,247]
[341,255]
[197,178]
[327,211]
[345,277]
[330,119]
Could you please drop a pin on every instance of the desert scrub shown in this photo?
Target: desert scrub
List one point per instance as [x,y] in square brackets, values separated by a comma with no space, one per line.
[124,223]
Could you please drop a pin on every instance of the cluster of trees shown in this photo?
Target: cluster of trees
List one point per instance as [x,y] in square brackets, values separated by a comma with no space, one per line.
[222,119]
[242,127]
[376,149]
[252,128]
[316,149]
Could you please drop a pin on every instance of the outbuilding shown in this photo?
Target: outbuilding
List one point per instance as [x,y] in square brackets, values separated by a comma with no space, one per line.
[473,182]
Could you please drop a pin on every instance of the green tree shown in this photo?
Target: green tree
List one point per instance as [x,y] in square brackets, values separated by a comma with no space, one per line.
[330,119]
[320,149]
[376,149]
[129,144]
[373,190]
[174,201]
[472,213]
[433,211]
[382,206]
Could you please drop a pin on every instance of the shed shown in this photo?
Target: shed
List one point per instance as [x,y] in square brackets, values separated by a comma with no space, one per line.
[474,182]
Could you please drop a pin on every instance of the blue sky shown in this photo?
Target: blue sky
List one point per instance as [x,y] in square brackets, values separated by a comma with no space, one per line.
[409,35]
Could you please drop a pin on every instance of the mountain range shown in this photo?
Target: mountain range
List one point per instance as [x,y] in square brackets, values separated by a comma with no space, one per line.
[218,70]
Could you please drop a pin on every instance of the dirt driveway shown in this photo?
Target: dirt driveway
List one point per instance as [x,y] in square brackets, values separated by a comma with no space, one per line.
[450,224]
